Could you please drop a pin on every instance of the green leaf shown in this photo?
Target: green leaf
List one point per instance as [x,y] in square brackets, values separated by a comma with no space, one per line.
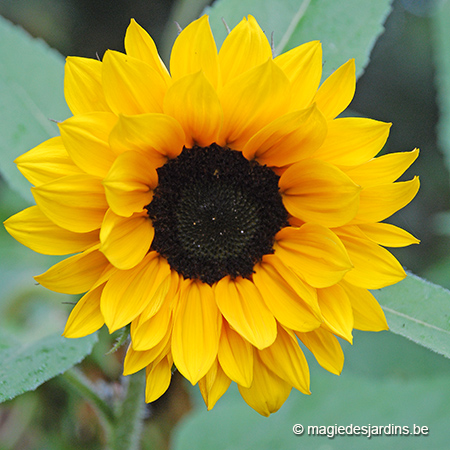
[386,380]
[352,400]
[420,311]
[441,35]
[31,89]
[24,367]
[347,29]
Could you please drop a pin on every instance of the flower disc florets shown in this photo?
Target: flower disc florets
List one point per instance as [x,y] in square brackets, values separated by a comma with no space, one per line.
[215,213]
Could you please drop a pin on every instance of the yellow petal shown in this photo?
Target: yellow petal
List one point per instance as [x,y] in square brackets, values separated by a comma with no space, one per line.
[242,306]
[140,45]
[285,304]
[135,360]
[306,292]
[195,50]
[149,333]
[286,359]
[383,170]
[213,385]
[129,183]
[126,240]
[268,391]
[166,293]
[336,92]
[128,292]
[83,85]
[85,137]
[235,356]
[130,85]
[196,330]
[74,202]
[373,266]
[313,252]
[46,162]
[157,135]
[325,348]
[158,379]
[367,313]
[32,228]
[337,311]
[315,191]
[251,101]
[289,139]
[105,276]
[388,235]
[379,202]
[245,47]
[303,67]
[200,114]
[352,141]
[86,317]
[76,274]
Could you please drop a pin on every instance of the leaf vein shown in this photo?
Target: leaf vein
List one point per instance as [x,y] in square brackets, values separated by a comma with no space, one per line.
[293,24]
[420,322]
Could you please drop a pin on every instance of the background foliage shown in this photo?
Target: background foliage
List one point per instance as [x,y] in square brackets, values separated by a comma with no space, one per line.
[386,379]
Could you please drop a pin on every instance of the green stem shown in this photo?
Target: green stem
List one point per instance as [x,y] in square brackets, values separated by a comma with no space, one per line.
[123,427]
[83,386]
[128,427]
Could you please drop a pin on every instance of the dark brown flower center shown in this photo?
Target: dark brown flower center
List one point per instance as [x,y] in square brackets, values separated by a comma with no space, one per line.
[215,213]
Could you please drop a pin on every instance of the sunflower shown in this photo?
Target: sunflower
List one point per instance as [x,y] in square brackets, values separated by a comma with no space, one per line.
[220,208]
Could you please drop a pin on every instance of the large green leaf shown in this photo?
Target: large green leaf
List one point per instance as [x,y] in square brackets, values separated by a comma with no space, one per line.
[31,89]
[352,400]
[441,52]
[420,311]
[24,367]
[346,29]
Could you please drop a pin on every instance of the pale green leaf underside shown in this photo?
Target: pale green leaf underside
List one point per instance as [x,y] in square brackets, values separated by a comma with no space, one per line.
[31,89]
[420,311]
[346,29]
[24,367]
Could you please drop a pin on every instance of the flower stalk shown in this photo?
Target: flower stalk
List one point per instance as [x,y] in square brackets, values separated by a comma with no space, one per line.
[122,425]
[76,381]
[129,417]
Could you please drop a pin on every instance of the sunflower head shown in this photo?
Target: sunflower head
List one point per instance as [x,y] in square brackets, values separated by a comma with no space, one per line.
[221,208]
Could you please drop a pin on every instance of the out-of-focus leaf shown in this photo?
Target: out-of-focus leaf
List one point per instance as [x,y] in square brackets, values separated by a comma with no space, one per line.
[346,29]
[441,33]
[31,89]
[352,401]
[439,272]
[24,367]
[420,311]
[386,380]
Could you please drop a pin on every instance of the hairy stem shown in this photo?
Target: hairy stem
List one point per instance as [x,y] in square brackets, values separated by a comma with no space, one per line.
[79,383]
[128,426]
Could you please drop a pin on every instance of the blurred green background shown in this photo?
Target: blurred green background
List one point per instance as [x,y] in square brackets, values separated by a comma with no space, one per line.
[386,379]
